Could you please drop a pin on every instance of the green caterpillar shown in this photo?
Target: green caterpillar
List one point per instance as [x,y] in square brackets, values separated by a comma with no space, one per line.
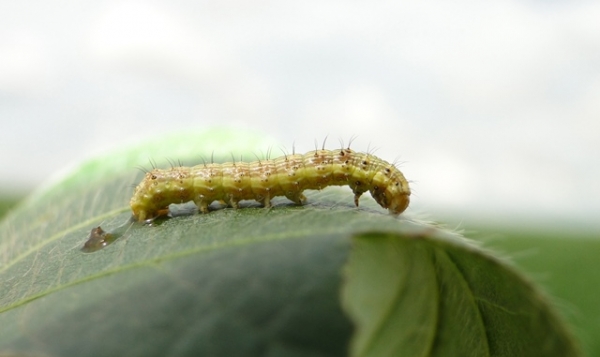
[262,180]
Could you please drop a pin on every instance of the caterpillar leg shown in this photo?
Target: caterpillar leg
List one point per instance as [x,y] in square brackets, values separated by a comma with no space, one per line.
[162,212]
[235,203]
[148,218]
[265,201]
[356,198]
[296,197]
[202,205]
[358,190]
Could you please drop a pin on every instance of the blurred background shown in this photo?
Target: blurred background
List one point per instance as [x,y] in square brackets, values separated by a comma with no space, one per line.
[493,109]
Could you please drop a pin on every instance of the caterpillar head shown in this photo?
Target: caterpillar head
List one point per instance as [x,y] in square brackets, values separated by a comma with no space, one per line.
[394,197]
[399,203]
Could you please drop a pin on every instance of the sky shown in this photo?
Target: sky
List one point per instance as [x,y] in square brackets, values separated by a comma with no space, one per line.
[493,108]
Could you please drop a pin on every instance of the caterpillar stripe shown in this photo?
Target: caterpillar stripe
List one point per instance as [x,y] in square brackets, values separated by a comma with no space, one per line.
[262,180]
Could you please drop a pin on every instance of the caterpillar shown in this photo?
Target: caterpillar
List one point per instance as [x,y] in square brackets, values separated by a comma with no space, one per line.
[261,180]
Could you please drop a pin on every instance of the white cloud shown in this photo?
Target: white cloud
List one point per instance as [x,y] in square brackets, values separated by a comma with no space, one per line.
[150,38]
[474,96]
[23,66]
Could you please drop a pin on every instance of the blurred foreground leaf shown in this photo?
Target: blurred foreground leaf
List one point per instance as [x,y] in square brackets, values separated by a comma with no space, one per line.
[446,299]
[325,279]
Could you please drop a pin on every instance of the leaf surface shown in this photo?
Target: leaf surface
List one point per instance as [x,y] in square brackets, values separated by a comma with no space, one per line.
[324,279]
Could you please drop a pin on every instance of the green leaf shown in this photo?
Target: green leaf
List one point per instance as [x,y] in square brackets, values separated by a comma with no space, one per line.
[565,262]
[433,294]
[324,279]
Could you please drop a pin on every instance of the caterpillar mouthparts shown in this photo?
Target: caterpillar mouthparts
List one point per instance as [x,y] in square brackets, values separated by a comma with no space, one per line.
[261,180]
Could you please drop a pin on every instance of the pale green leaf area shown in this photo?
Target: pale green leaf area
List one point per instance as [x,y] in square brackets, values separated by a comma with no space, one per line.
[565,263]
[324,279]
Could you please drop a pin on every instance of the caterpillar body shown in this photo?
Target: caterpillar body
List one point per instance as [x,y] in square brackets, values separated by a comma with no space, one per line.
[262,180]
